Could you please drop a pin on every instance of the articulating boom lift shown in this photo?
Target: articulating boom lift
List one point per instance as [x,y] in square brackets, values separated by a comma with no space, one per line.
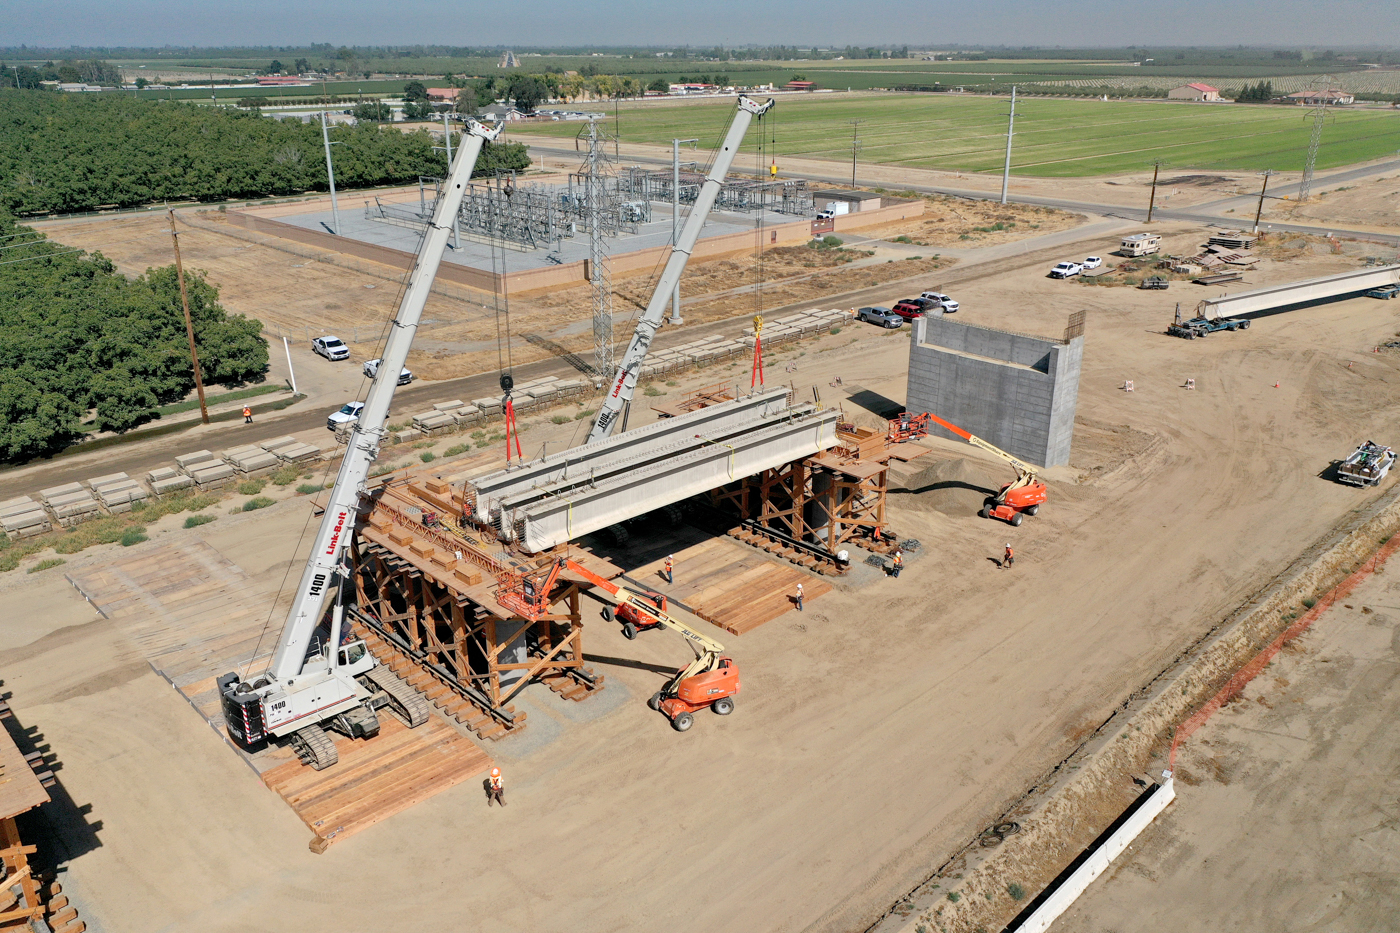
[1023,496]
[710,680]
[314,679]
[625,382]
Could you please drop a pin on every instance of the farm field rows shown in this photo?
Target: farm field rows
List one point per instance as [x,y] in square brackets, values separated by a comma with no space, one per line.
[1054,138]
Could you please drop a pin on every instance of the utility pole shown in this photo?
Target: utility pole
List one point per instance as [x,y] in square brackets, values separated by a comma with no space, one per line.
[1152,202]
[855,147]
[1010,129]
[330,174]
[1267,173]
[676,219]
[290,371]
[189,324]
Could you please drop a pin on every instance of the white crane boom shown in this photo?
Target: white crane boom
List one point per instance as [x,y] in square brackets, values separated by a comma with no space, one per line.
[303,688]
[625,382]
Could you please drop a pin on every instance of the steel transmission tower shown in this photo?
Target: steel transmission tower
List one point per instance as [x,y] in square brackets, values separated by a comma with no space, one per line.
[1319,116]
[604,361]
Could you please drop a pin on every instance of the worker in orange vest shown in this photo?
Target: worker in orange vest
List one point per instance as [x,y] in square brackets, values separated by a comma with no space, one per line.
[495,790]
[1009,558]
[897,564]
[670,566]
[798,597]
[247,414]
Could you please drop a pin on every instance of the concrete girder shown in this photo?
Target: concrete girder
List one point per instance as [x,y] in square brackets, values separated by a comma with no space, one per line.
[598,461]
[1281,296]
[569,510]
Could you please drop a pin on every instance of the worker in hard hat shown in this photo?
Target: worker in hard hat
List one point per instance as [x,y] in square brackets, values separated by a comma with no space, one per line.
[896,563]
[495,790]
[1009,557]
[670,568]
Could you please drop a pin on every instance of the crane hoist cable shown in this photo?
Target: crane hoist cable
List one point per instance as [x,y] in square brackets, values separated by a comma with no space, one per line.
[500,295]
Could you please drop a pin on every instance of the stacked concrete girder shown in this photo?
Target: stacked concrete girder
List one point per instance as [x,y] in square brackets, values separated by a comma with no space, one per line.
[22,516]
[562,497]
[1296,293]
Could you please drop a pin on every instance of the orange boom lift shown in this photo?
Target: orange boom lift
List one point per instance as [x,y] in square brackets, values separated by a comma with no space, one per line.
[1021,497]
[712,679]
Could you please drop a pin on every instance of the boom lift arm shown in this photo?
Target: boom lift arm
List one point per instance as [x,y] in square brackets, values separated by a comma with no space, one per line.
[625,382]
[710,680]
[303,688]
[1024,495]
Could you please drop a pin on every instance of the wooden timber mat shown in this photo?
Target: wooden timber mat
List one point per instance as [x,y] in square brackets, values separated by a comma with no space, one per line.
[735,587]
[197,615]
[377,778]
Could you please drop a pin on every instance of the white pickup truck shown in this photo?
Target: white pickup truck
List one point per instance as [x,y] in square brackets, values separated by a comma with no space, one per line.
[1064,270]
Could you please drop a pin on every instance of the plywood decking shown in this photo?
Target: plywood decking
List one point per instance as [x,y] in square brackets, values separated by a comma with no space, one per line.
[197,615]
[377,778]
[723,582]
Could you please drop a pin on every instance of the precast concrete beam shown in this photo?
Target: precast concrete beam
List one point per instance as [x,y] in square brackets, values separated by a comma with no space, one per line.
[573,511]
[621,452]
[1281,296]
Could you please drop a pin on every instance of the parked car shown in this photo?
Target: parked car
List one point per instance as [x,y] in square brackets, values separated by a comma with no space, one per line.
[949,305]
[372,367]
[348,413]
[1092,262]
[882,316]
[332,348]
[911,308]
[1064,270]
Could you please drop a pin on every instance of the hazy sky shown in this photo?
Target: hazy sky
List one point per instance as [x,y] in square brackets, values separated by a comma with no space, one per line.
[920,23]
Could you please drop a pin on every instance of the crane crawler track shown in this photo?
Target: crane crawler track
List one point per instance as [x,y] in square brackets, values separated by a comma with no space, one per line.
[406,705]
[315,748]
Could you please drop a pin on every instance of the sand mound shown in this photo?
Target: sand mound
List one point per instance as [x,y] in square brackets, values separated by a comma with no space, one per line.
[954,486]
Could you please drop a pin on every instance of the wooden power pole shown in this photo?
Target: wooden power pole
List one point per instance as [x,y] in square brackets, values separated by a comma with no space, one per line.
[189,324]
[1152,202]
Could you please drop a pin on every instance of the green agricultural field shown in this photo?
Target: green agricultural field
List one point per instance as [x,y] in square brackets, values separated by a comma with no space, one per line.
[1054,138]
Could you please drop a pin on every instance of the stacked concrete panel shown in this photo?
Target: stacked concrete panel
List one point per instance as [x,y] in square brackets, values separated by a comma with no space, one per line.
[167,480]
[249,460]
[70,503]
[1017,391]
[22,516]
[118,492]
[206,470]
[291,450]
[433,423]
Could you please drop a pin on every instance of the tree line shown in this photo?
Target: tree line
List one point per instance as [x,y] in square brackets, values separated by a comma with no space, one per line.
[1258,93]
[79,340]
[78,152]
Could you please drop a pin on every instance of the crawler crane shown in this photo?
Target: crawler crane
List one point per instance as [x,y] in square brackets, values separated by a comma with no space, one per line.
[320,678]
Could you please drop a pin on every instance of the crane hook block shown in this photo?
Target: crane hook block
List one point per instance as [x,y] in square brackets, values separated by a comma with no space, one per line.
[757,323]
[507,382]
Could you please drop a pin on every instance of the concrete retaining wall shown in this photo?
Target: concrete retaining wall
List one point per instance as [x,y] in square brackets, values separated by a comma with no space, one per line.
[1017,391]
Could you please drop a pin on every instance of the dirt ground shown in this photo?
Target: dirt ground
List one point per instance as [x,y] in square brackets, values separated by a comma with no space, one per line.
[1285,813]
[876,733]
[1373,204]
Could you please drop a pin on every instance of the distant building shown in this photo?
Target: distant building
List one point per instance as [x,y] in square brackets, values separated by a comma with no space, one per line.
[1194,92]
[799,85]
[442,93]
[508,60]
[1332,98]
[692,87]
[78,88]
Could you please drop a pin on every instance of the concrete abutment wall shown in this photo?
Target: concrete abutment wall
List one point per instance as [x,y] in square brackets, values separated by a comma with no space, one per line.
[1017,391]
